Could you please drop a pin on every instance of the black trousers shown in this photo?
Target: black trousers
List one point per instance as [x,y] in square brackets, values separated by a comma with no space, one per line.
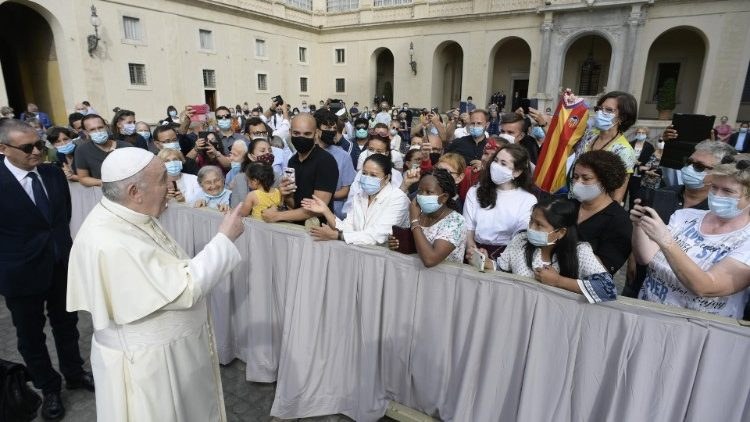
[28,317]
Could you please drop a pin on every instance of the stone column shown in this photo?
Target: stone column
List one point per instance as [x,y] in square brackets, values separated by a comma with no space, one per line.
[546,28]
[633,23]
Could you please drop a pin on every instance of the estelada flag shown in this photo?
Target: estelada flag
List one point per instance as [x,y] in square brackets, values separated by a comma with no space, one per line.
[567,126]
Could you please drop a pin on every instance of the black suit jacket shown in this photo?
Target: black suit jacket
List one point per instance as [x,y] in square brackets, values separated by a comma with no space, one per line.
[733,141]
[31,246]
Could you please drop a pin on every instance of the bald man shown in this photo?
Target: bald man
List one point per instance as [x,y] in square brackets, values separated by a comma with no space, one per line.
[315,173]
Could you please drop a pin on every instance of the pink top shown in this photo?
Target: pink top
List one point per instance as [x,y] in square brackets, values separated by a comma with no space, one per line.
[723,131]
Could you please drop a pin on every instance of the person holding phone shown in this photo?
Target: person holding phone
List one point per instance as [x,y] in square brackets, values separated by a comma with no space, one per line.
[182,187]
[550,251]
[701,259]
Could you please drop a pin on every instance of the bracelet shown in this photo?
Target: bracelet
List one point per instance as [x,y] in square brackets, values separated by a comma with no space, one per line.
[416,220]
[415,226]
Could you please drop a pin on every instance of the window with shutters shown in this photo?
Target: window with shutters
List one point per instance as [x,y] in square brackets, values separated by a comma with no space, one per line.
[262,82]
[340,85]
[137,73]
[209,78]
[132,28]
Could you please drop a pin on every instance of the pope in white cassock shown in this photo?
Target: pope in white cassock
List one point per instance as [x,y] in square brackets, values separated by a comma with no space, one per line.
[152,352]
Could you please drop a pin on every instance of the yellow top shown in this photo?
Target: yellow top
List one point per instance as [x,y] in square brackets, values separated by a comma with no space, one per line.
[265,200]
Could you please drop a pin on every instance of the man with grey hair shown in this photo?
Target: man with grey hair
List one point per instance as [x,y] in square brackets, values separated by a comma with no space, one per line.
[693,193]
[153,350]
[34,246]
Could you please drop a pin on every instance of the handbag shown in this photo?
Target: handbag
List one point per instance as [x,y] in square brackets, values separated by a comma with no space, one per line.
[18,402]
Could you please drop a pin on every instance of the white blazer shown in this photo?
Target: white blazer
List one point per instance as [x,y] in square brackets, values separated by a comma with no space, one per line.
[370,224]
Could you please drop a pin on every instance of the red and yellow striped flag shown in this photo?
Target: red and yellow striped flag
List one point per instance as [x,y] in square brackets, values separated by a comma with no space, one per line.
[567,126]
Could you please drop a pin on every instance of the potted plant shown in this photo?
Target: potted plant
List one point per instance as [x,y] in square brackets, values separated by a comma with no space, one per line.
[666,99]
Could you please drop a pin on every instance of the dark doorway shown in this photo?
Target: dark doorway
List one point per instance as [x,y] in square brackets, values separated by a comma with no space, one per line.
[210,96]
[29,61]
[384,75]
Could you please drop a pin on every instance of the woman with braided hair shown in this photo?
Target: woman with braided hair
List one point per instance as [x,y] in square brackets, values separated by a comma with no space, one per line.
[439,233]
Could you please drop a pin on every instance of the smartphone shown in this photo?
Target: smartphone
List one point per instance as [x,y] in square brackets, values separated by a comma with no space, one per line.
[529,102]
[477,260]
[289,173]
[200,112]
[203,135]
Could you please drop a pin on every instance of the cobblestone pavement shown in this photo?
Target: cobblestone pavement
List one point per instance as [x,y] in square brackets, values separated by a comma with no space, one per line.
[245,401]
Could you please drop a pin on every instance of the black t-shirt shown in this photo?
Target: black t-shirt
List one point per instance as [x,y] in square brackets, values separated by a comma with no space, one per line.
[135,140]
[468,148]
[608,232]
[319,171]
[89,156]
[532,147]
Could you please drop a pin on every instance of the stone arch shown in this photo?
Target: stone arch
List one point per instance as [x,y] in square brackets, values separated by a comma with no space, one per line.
[509,75]
[383,63]
[447,74]
[593,48]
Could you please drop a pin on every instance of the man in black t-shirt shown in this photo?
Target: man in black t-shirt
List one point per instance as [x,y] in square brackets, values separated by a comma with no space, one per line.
[316,173]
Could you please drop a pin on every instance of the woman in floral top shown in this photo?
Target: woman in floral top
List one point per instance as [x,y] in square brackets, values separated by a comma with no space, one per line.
[439,233]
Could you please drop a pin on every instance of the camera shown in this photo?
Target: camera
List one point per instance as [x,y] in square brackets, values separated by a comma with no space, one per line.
[278,100]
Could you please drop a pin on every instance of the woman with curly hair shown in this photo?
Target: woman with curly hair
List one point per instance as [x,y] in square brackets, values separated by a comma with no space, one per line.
[439,233]
[601,221]
[500,205]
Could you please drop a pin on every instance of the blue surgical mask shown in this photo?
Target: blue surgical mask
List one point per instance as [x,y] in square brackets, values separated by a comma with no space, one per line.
[100,137]
[369,184]
[691,178]
[434,131]
[537,132]
[171,145]
[603,121]
[145,134]
[215,196]
[640,137]
[128,129]
[235,164]
[476,131]
[361,133]
[224,124]
[174,168]
[538,237]
[428,203]
[724,206]
[743,130]
[173,113]
[67,148]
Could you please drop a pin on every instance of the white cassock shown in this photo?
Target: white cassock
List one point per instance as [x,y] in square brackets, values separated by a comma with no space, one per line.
[153,352]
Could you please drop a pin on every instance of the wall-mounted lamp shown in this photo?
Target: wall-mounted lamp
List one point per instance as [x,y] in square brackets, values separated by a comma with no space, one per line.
[412,63]
[94,38]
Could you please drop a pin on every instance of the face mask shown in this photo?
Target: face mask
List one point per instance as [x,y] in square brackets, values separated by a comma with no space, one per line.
[128,129]
[235,165]
[171,145]
[265,158]
[603,121]
[537,132]
[691,178]
[224,124]
[369,184]
[327,136]
[476,131]
[434,131]
[538,238]
[660,145]
[173,113]
[174,168]
[434,157]
[500,174]
[145,134]
[361,133]
[723,206]
[302,144]
[585,193]
[215,196]
[67,148]
[394,132]
[743,130]
[428,203]
[100,137]
[640,137]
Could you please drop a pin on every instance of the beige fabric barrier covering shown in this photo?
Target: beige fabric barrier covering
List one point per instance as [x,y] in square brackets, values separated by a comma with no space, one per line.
[344,329]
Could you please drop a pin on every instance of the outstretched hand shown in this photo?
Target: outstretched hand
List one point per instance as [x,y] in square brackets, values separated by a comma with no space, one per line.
[232,226]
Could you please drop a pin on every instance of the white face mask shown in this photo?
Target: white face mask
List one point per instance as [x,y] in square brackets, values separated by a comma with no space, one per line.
[585,193]
[500,174]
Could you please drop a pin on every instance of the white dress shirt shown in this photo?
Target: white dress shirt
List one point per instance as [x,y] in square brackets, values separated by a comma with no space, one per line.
[22,177]
[370,224]
[355,189]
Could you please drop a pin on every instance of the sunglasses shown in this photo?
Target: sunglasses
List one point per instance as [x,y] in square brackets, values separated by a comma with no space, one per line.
[29,148]
[225,116]
[698,166]
[361,127]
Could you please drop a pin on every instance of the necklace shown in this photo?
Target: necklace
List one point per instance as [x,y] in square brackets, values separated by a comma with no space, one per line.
[606,144]
[434,220]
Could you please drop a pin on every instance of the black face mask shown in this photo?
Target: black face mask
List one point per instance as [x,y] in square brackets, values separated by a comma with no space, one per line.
[328,136]
[434,157]
[303,145]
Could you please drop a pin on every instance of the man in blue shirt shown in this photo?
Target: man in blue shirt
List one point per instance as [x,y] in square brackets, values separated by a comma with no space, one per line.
[330,128]
[739,139]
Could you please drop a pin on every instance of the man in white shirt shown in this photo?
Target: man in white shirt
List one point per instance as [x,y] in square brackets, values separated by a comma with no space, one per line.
[384,116]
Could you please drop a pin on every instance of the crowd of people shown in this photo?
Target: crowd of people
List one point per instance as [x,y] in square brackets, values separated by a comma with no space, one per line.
[461,181]
[453,187]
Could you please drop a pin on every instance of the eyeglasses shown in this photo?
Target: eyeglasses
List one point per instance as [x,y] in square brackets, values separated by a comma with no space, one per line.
[700,167]
[605,109]
[259,133]
[29,148]
[224,116]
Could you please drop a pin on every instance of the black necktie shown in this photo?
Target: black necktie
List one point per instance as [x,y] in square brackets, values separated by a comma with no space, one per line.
[42,202]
